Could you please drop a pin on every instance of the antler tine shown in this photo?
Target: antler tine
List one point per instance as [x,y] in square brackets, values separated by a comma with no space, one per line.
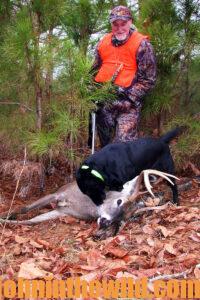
[136,188]
[159,173]
[148,186]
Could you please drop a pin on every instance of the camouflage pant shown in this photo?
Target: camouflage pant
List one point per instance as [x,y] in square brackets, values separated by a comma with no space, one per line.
[123,125]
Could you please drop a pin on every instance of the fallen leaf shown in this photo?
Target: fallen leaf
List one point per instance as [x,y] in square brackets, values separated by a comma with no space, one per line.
[139,239]
[29,270]
[8,233]
[43,243]
[169,248]
[35,244]
[150,242]
[69,220]
[91,276]
[125,274]
[117,252]
[26,249]
[163,230]
[85,233]
[178,229]
[83,255]
[148,229]
[10,272]
[44,264]
[145,249]
[21,240]
[95,258]
[197,273]
[113,267]
[62,267]
[179,217]
[152,201]
[195,238]
[184,257]
[90,243]
[17,250]
[131,258]
[147,272]
[5,241]
[88,268]
[160,256]
[118,239]
[115,264]
[190,261]
[59,250]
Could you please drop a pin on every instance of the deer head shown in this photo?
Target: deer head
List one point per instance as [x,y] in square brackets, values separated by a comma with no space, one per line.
[112,209]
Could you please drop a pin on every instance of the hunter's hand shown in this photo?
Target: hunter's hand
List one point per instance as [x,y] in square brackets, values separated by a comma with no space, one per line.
[121,92]
[122,106]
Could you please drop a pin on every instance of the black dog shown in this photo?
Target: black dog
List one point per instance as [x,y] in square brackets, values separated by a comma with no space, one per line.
[115,164]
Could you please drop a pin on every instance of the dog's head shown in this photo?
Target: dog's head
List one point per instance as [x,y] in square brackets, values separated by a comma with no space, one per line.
[90,183]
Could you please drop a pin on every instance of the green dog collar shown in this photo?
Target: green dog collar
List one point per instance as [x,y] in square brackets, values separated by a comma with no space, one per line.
[93,172]
[97,174]
[84,167]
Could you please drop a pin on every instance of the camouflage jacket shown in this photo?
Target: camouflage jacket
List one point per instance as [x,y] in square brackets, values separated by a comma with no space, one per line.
[145,77]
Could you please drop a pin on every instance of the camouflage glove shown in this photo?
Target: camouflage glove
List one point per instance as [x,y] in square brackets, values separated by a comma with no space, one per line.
[121,92]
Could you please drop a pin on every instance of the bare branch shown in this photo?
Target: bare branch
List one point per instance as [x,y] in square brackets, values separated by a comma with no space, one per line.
[170,276]
[145,209]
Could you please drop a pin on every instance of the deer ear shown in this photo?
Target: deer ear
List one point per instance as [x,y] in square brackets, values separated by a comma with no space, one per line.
[129,186]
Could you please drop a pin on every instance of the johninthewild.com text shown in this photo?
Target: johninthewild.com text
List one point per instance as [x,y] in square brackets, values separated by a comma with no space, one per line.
[75,287]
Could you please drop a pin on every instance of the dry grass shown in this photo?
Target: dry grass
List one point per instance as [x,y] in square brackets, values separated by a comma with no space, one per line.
[32,174]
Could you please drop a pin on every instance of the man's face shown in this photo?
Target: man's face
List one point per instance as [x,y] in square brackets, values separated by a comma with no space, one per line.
[121,28]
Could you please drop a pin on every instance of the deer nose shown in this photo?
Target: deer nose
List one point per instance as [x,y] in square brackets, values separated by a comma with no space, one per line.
[104,223]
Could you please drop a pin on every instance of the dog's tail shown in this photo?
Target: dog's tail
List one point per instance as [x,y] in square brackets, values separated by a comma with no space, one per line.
[170,135]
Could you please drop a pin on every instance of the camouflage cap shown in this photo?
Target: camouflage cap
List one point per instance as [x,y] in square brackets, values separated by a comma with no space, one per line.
[120,13]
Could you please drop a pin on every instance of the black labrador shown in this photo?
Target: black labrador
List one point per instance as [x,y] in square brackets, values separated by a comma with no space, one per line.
[115,164]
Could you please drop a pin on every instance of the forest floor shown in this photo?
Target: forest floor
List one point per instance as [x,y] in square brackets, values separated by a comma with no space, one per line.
[158,243]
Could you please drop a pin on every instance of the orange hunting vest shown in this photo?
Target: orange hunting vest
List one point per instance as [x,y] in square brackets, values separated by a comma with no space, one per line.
[119,62]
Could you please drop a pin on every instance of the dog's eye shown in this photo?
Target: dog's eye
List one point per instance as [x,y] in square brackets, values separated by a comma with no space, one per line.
[119,202]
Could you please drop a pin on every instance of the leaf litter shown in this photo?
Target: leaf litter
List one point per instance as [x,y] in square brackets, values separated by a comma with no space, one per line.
[160,243]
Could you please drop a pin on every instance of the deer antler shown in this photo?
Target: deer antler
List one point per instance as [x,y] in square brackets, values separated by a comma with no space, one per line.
[145,174]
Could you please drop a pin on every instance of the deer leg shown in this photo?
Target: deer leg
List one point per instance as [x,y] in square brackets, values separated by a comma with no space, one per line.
[54,214]
[37,204]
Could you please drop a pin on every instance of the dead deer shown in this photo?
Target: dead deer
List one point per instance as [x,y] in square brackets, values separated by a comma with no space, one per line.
[71,201]
[130,192]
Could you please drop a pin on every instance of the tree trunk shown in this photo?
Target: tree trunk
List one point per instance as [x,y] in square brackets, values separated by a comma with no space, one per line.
[189,10]
[140,2]
[159,122]
[49,71]
[38,98]
[37,70]
[187,63]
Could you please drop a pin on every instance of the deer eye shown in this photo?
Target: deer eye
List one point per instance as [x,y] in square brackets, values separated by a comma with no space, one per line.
[119,202]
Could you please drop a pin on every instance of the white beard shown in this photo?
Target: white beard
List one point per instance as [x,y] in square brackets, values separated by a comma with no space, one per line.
[121,37]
